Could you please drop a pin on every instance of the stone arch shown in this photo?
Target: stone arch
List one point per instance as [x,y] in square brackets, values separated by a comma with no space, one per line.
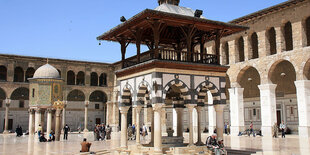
[240,46]
[29,73]
[227,86]
[2,94]
[80,78]
[271,36]
[18,74]
[20,93]
[126,95]
[308,31]
[202,92]
[143,92]
[306,70]
[254,45]
[283,73]
[3,73]
[181,85]
[76,95]
[288,36]
[70,77]
[93,79]
[98,96]
[249,79]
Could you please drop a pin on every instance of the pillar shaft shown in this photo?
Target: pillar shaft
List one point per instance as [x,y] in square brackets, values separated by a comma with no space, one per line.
[49,121]
[219,120]
[268,108]
[6,122]
[199,142]
[138,110]
[191,129]
[124,138]
[152,126]
[157,127]
[236,110]
[64,114]
[303,100]
[57,127]
[31,121]
[179,112]
[86,116]
[37,119]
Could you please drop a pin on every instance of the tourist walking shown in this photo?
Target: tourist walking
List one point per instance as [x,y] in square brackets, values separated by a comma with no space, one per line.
[275,130]
[251,129]
[144,131]
[108,132]
[66,130]
[225,127]
[130,132]
[283,128]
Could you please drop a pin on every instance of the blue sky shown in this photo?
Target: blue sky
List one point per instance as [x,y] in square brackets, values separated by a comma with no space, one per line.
[67,29]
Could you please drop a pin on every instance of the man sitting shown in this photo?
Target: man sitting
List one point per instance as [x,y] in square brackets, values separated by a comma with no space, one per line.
[213,144]
[85,145]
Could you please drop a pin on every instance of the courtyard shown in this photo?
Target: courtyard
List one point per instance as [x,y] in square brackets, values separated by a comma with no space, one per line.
[10,144]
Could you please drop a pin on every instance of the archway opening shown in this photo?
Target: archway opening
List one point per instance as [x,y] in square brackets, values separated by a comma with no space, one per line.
[103,80]
[241,49]
[2,97]
[94,79]
[3,73]
[272,41]
[21,95]
[18,74]
[29,73]
[249,79]
[288,36]
[254,44]
[99,100]
[80,79]
[308,30]
[70,78]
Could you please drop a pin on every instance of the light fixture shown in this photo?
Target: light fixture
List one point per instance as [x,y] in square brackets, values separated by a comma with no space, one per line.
[283,74]
[198,13]
[249,79]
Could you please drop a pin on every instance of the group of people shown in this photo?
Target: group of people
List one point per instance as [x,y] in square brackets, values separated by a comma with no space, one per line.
[275,130]
[132,131]
[216,146]
[51,136]
[19,131]
[102,132]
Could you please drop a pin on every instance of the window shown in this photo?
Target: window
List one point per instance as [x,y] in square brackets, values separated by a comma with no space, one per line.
[308,30]
[226,53]
[70,78]
[1,101]
[18,74]
[292,110]
[254,112]
[3,73]
[272,41]
[33,92]
[254,44]
[241,49]
[21,104]
[288,36]
[96,106]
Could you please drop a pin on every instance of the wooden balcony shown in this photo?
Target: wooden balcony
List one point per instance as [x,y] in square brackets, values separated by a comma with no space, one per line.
[173,55]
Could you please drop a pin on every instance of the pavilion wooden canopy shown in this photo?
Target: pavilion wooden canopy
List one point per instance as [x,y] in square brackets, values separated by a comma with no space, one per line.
[156,28]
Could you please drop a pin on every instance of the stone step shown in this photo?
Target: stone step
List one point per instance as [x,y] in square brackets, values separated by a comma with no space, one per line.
[239,152]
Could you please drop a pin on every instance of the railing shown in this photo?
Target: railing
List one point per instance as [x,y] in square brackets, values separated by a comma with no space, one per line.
[173,55]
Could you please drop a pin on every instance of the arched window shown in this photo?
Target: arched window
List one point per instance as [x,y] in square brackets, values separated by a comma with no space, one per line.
[254,44]
[94,79]
[241,49]
[308,30]
[226,53]
[272,41]
[18,74]
[103,79]
[76,95]
[3,73]
[29,73]
[70,78]
[288,36]
[80,80]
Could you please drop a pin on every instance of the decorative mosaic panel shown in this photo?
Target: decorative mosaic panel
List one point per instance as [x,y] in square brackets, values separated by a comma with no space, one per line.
[44,95]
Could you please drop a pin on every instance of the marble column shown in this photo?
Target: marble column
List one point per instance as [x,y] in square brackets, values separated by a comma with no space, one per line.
[86,116]
[303,101]
[38,118]
[6,122]
[212,117]
[31,121]
[138,110]
[42,119]
[236,110]
[115,119]
[191,129]
[124,138]
[157,128]
[109,113]
[179,121]
[134,116]
[219,120]
[199,142]
[57,127]
[64,114]
[268,108]
[49,121]
[152,126]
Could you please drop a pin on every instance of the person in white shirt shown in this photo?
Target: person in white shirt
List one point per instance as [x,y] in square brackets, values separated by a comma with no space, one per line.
[282,128]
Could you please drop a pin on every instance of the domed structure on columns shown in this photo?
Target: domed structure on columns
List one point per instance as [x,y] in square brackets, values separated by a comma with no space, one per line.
[173,2]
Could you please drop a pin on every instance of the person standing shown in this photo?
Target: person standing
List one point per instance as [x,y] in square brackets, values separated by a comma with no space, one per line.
[108,131]
[39,130]
[66,130]
[225,127]
[282,128]
[144,131]
[251,129]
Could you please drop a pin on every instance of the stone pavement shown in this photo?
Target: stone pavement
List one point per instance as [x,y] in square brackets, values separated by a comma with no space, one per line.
[12,145]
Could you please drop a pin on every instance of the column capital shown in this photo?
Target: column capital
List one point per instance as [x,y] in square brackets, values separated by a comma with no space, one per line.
[219,107]
[124,110]
[191,106]
[179,110]
[158,107]
[199,108]
[58,112]
[86,103]
[38,110]
[50,110]
[138,108]
[31,110]
[234,90]
[7,102]
[267,87]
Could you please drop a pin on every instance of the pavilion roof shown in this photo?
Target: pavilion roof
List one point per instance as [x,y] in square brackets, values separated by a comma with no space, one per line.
[142,21]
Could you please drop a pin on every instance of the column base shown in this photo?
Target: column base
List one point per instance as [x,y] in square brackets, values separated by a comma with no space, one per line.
[199,143]
[304,131]
[267,131]
[234,130]
[158,152]
[85,130]
[6,132]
